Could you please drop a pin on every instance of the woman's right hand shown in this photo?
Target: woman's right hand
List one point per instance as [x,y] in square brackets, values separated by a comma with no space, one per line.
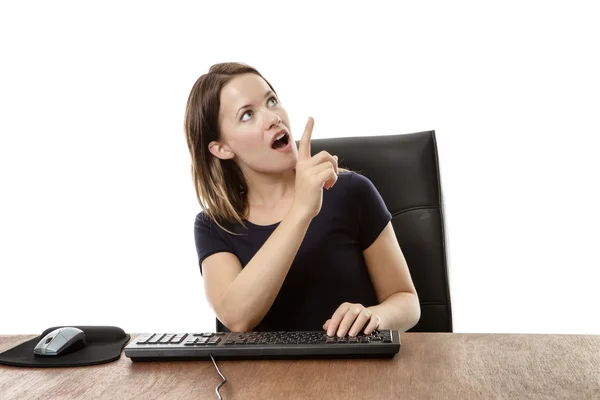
[312,175]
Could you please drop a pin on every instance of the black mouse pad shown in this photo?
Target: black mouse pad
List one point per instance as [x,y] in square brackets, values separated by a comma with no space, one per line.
[104,344]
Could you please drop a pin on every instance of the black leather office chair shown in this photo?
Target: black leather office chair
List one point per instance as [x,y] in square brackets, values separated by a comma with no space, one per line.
[405,171]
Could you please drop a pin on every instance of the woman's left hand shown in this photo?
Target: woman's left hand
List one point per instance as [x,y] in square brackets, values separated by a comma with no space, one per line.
[350,318]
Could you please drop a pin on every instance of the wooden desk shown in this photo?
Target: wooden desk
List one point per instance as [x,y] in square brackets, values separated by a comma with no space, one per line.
[429,366]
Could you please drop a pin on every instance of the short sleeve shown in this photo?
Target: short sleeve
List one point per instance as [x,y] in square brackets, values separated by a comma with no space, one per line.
[208,240]
[370,209]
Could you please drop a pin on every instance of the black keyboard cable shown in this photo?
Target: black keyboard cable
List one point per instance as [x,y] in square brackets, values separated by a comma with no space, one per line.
[222,382]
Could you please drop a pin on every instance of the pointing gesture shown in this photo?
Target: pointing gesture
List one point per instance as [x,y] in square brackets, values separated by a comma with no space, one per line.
[304,150]
[313,173]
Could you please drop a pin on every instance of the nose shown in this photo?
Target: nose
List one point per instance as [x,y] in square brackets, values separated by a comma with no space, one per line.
[271,120]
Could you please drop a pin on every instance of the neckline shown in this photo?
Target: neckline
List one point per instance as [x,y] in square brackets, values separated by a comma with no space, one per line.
[270,226]
[276,224]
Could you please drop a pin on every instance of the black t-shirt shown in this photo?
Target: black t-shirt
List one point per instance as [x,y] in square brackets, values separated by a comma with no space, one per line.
[329,268]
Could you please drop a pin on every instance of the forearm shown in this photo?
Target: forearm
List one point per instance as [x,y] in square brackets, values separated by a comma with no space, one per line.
[401,311]
[250,296]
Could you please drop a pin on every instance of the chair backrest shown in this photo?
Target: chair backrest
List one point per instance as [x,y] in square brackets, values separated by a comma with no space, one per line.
[405,170]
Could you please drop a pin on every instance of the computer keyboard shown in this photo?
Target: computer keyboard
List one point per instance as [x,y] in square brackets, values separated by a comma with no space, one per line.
[261,345]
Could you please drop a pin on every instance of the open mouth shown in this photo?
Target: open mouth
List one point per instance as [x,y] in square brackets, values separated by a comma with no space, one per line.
[281,141]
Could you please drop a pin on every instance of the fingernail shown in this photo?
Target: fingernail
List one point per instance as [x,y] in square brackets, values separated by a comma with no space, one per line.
[336,157]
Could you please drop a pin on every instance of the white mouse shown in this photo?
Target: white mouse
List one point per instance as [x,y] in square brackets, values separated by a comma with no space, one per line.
[59,341]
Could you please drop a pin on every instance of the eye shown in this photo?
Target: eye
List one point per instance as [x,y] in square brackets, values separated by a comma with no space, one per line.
[246,113]
[249,113]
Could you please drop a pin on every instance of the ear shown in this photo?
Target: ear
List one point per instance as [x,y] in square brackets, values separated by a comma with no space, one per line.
[220,151]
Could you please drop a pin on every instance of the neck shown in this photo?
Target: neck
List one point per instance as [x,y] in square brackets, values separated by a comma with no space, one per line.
[268,190]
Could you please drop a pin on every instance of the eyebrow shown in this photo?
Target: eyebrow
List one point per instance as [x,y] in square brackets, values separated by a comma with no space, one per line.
[270,92]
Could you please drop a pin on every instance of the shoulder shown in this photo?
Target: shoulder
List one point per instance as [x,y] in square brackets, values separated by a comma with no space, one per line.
[205,222]
[362,192]
[355,183]
[207,231]
[352,184]
[202,220]
[355,187]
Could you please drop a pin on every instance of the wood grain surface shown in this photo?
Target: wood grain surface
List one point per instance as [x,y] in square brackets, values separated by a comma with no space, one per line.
[429,366]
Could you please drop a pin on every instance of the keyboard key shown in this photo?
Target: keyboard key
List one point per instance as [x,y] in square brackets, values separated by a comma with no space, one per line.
[143,339]
[178,338]
[150,337]
[156,338]
[165,339]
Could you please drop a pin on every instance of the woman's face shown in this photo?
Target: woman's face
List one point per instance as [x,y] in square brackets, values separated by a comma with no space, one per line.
[250,119]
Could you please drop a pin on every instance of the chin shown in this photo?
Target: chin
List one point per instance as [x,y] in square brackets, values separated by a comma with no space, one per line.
[287,166]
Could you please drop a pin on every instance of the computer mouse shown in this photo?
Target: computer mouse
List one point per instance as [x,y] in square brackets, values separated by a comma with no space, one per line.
[60,341]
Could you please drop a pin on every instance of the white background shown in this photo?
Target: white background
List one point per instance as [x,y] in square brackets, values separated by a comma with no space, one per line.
[97,204]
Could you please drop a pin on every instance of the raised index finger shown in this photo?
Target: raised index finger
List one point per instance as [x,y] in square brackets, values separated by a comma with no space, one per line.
[304,150]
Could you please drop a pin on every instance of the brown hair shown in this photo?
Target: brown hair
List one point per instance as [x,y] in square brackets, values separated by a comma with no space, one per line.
[220,184]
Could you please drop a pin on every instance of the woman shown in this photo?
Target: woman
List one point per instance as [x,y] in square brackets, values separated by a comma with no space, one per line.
[276,251]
